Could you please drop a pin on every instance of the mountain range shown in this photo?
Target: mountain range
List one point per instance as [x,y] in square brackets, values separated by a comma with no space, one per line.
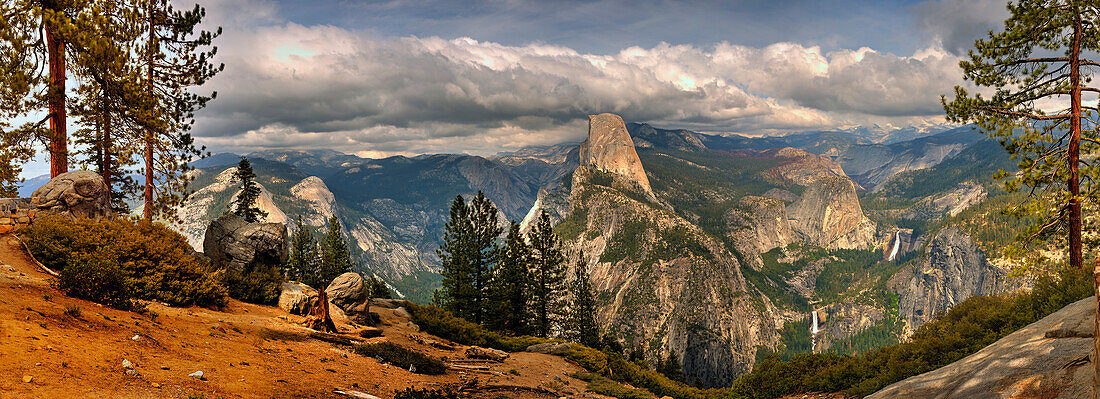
[708,248]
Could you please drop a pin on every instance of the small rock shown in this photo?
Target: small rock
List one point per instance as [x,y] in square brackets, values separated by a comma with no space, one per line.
[127,364]
[165,368]
[132,372]
[495,355]
[155,385]
[370,332]
[412,368]
[28,378]
[136,337]
[244,363]
[197,374]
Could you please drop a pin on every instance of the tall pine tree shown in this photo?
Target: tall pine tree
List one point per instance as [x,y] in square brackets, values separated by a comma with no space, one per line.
[485,223]
[335,256]
[511,282]
[454,255]
[583,323]
[547,276]
[245,203]
[303,262]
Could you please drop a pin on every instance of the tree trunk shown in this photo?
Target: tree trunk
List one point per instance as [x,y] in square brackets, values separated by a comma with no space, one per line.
[148,209]
[106,146]
[59,153]
[319,318]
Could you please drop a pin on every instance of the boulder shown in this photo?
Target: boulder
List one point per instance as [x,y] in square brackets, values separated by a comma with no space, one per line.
[1047,359]
[297,298]
[349,292]
[387,303]
[476,352]
[550,348]
[232,243]
[76,193]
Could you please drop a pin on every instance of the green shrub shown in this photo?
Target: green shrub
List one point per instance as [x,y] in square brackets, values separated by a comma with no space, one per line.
[412,393]
[116,261]
[399,356]
[443,324]
[604,386]
[260,285]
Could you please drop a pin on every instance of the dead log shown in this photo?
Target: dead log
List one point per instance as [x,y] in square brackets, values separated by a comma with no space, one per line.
[333,338]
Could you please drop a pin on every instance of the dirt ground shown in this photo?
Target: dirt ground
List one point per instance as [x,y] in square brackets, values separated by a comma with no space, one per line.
[244,351]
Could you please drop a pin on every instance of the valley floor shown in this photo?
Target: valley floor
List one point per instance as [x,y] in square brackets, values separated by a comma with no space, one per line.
[244,351]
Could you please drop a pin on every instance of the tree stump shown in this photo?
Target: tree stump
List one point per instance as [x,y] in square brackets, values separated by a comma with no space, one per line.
[319,318]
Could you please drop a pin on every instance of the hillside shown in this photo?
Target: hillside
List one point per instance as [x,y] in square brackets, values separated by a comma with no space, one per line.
[57,346]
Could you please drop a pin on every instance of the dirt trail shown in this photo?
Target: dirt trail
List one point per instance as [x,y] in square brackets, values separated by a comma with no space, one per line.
[244,350]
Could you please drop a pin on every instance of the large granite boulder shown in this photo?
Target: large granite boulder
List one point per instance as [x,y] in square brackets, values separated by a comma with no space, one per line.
[349,292]
[76,193]
[297,298]
[1047,359]
[232,243]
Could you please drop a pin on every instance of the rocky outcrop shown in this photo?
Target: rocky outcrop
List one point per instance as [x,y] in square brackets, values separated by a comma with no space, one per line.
[230,242]
[760,224]
[297,298]
[321,201]
[953,269]
[828,214]
[349,292]
[76,193]
[1046,359]
[609,148]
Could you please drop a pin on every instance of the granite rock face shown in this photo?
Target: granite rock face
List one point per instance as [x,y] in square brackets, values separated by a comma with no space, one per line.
[1046,359]
[828,214]
[76,193]
[953,270]
[233,243]
[609,148]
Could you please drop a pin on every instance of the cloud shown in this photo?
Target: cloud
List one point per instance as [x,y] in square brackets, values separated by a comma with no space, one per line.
[296,86]
[957,23]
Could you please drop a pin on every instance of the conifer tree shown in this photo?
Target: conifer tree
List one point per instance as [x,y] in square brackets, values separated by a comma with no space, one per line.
[245,203]
[454,255]
[547,276]
[378,288]
[302,263]
[485,228]
[583,310]
[1043,59]
[670,367]
[335,256]
[176,57]
[511,282]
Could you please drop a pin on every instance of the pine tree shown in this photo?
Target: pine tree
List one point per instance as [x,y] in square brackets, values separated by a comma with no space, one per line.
[335,256]
[670,367]
[485,229]
[583,310]
[245,203]
[511,282]
[303,262]
[1043,57]
[378,288]
[454,255]
[176,57]
[547,276]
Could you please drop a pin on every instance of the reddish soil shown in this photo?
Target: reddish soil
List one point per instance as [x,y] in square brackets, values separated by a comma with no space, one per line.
[244,351]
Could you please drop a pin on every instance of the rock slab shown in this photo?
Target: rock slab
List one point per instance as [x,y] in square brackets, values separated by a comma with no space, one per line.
[1030,363]
[233,243]
[297,298]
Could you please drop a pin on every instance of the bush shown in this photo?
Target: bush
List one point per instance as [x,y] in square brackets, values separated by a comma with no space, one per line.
[604,386]
[412,393]
[116,261]
[399,356]
[260,285]
[443,324]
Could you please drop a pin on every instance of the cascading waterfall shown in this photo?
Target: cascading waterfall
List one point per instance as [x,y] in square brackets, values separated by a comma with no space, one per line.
[897,243]
[813,333]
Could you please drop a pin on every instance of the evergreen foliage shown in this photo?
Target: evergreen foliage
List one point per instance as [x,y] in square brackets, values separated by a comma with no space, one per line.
[511,282]
[335,256]
[468,253]
[378,288]
[302,262]
[583,323]
[547,276]
[245,203]
[670,367]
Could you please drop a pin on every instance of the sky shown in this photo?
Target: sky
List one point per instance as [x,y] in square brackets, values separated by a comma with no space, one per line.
[403,77]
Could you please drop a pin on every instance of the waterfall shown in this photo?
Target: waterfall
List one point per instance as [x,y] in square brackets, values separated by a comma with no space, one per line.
[897,243]
[813,328]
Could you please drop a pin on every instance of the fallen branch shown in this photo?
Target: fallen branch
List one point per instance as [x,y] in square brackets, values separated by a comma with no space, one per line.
[333,338]
[30,255]
[354,394]
[473,369]
[513,388]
